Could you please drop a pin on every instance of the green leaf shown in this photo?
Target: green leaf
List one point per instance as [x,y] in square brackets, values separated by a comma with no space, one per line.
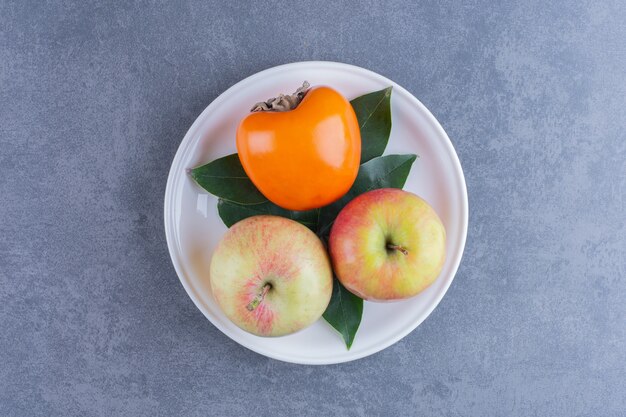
[344,312]
[390,171]
[231,213]
[373,112]
[226,179]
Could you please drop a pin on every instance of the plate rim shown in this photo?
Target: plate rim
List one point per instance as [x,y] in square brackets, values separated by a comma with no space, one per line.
[173,174]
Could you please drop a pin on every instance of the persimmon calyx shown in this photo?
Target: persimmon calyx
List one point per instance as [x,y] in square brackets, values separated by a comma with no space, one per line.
[283,102]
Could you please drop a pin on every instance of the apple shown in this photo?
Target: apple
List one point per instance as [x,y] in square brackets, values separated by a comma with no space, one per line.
[387,244]
[271,276]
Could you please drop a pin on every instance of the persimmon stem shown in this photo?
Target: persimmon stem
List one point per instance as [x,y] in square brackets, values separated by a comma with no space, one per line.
[259,297]
[284,102]
[391,246]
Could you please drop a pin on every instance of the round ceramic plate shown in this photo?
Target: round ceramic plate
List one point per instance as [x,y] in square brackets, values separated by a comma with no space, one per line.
[193,227]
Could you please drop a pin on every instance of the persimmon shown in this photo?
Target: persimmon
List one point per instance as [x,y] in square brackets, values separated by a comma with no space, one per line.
[301,151]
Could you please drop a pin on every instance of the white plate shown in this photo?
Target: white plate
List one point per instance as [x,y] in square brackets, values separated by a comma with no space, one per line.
[193,227]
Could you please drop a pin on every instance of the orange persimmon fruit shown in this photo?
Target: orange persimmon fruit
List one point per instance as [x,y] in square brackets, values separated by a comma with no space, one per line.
[306,157]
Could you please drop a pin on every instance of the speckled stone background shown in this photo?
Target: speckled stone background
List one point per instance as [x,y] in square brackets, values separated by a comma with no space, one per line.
[95,98]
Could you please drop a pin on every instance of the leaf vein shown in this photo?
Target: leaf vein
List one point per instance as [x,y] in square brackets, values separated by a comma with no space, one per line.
[203,176]
[369,116]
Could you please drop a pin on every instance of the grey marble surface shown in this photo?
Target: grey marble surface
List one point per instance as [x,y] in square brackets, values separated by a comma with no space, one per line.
[95,98]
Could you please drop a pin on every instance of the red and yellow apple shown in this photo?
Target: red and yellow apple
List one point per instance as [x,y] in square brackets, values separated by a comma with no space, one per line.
[271,276]
[387,244]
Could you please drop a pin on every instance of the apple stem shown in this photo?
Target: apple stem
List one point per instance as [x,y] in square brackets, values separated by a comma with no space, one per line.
[259,297]
[391,246]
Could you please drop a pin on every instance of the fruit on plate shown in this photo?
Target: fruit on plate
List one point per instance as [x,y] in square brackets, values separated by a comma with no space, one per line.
[387,244]
[301,151]
[271,276]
